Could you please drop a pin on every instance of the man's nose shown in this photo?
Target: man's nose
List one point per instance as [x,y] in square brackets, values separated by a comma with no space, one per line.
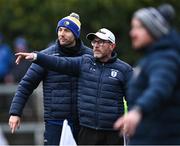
[61,33]
[95,47]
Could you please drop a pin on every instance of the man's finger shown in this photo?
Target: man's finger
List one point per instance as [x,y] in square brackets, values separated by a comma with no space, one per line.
[119,123]
[29,57]
[20,53]
[18,59]
[12,130]
[13,127]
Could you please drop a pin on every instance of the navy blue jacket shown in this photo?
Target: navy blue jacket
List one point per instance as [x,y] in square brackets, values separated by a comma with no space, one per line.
[155,88]
[101,87]
[59,90]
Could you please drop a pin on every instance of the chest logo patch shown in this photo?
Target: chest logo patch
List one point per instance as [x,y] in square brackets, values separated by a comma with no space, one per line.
[113,73]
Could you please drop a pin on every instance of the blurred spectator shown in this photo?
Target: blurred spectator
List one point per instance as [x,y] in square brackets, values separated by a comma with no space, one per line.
[20,45]
[18,71]
[154,90]
[6,59]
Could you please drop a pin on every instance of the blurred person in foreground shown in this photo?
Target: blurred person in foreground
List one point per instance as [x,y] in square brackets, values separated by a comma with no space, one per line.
[6,59]
[59,90]
[18,71]
[154,90]
[102,84]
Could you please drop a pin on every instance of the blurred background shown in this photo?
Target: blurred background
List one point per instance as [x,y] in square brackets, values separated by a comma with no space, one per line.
[29,25]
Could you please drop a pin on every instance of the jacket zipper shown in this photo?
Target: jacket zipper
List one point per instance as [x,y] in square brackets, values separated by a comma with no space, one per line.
[101,66]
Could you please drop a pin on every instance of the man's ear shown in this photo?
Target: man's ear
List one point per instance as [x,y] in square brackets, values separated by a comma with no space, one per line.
[113,46]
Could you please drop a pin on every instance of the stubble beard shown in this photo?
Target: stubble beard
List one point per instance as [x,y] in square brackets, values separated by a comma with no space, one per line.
[67,44]
[97,55]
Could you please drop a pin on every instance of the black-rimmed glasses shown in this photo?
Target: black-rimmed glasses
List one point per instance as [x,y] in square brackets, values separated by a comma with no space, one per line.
[99,42]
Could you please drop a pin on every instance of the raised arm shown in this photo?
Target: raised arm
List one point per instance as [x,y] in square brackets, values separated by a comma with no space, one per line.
[67,65]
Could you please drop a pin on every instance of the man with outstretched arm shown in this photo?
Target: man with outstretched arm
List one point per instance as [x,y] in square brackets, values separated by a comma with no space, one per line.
[59,90]
[102,83]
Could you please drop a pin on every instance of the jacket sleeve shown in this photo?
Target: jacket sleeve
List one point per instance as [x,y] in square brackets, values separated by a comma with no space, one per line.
[29,82]
[163,77]
[66,65]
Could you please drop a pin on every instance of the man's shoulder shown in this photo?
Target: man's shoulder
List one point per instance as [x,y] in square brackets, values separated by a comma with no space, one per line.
[123,63]
[87,50]
[87,58]
[123,66]
[50,50]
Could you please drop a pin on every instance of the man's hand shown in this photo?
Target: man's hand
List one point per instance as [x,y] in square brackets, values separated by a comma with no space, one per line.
[14,123]
[25,56]
[128,123]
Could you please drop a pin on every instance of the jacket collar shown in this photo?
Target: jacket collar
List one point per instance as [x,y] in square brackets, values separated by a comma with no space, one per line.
[72,51]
